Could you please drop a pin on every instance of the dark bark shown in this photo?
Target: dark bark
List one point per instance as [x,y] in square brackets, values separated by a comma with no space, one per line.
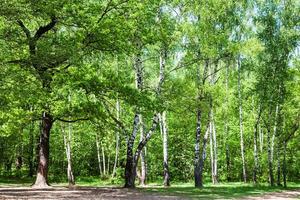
[166,174]
[197,167]
[45,75]
[43,161]
[130,172]
[199,158]
[130,168]
[133,158]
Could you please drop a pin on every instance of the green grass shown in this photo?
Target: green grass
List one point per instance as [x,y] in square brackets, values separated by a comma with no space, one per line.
[80,181]
[209,191]
[15,181]
[219,191]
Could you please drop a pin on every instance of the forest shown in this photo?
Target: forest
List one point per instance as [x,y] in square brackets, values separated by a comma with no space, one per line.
[135,93]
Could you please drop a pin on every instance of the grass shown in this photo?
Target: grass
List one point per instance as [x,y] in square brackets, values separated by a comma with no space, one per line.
[209,191]
[219,191]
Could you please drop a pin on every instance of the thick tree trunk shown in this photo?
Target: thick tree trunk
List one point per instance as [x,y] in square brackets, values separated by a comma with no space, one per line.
[42,172]
[139,76]
[241,121]
[132,158]
[131,162]
[130,168]
[130,172]
[200,156]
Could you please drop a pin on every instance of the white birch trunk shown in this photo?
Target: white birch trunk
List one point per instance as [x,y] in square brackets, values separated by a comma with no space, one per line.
[215,153]
[117,140]
[274,131]
[241,121]
[165,149]
[143,161]
[103,159]
[226,127]
[98,154]
[211,152]
[261,138]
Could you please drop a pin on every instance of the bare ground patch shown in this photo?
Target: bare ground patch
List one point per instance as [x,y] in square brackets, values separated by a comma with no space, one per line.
[77,193]
[285,195]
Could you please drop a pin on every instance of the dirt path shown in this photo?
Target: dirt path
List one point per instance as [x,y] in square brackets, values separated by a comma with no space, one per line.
[77,193]
[108,193]
[285,195]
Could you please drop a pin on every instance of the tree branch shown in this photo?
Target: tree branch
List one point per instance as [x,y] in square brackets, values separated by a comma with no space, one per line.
[44,29]
[148,136]
[25,30]
[118,122]
[295,127]
[19,62]
[109,8]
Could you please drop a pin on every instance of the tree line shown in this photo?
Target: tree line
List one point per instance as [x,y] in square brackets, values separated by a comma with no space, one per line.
[180,90]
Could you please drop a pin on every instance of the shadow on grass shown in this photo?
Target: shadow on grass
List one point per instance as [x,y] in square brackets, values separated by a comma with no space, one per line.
[12,180]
